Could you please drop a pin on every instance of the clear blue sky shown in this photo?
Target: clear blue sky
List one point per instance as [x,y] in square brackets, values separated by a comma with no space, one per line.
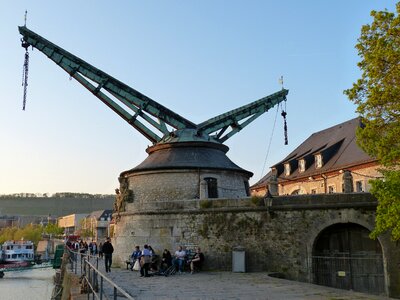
[198,58]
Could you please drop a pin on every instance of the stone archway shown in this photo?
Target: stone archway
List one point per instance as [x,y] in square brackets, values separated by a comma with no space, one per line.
[344,256]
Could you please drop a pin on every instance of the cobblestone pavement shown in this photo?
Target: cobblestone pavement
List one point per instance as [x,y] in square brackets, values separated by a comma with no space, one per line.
[225,285]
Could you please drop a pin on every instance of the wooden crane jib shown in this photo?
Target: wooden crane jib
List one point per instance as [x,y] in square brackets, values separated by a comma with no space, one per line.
[136,108]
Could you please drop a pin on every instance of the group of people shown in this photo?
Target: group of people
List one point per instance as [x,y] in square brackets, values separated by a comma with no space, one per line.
[103,250]
[83,247]
[147,260]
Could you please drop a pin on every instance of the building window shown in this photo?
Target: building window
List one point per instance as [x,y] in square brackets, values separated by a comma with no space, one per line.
[318,161]
[313,191]
[287,169]
[212,187]
[359,187]
[247,187]
[302,165]
[331,189]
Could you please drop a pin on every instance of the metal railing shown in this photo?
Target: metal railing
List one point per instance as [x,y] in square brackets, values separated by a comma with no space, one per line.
[93,281]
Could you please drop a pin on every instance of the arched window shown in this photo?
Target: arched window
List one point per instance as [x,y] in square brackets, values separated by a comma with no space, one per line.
[212,187]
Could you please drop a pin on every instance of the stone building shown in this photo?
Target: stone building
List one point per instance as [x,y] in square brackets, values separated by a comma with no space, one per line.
[71,223]
[329,161]
[98,224]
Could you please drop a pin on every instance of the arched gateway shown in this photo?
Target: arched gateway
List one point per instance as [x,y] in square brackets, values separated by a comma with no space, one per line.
[345,257]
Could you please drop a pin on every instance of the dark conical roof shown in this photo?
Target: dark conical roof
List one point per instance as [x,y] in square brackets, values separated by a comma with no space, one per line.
[187,155]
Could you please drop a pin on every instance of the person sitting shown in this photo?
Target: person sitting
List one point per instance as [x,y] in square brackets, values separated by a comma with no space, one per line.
[154,259]
[179,260]
[166,260]
[135,256]
[197,260]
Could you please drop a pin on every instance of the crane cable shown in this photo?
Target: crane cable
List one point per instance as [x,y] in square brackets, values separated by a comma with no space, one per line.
[283,114]
[270,142]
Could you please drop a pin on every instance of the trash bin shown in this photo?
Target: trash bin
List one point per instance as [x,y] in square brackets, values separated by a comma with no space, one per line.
[238,260]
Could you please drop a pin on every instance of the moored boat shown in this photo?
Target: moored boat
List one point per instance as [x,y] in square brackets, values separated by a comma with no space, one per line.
[17,251]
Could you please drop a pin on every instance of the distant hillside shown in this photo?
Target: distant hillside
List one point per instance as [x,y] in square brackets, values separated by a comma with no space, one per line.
[59,204]
[56,195]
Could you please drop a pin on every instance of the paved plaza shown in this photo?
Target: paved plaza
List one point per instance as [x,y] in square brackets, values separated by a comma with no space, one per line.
[225,285]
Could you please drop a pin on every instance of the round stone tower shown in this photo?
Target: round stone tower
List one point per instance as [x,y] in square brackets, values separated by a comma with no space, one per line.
[190,170]
[175,176]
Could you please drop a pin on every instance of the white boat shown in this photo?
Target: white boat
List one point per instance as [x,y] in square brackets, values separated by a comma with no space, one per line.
[17,251]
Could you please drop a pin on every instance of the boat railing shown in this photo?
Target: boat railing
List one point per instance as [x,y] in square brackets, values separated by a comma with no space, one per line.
[93,281]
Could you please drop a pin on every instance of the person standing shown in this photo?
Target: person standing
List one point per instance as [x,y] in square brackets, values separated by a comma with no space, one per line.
[101,250]
[145,260]
[108,250]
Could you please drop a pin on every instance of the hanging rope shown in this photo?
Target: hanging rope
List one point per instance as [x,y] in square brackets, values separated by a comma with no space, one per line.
[25,72]
[270,142]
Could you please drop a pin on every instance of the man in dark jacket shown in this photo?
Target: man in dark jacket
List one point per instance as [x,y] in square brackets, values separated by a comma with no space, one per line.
[108,250]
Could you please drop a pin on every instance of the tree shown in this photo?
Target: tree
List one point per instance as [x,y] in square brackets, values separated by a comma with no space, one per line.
[377,96]
[86,229]
[53,229]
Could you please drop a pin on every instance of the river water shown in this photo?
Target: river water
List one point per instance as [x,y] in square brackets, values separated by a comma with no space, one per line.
[27,285]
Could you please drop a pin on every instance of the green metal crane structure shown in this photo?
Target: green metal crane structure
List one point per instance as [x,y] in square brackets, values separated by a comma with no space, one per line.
[146,115]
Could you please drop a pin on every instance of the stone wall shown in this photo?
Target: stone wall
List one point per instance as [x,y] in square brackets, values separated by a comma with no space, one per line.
[278,235]
[181,184]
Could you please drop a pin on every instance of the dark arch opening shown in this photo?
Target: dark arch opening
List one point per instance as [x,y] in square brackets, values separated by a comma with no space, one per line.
[345,257]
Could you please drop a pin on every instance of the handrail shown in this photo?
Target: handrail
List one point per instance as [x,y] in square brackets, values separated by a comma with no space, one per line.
[93,281]
[90,274]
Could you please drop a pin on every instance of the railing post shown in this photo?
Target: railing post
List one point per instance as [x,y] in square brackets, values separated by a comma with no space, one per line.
[101,288]
[90,277]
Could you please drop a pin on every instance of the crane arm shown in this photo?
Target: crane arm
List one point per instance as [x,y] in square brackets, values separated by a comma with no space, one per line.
[89,76]
[247,114]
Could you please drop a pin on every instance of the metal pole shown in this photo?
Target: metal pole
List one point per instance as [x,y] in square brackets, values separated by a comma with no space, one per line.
[115,293]
[101,288]
[350,259]
[76,262]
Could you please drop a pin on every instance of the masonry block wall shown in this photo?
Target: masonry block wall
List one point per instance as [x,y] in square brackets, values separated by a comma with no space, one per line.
[181,184]
[277,235]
